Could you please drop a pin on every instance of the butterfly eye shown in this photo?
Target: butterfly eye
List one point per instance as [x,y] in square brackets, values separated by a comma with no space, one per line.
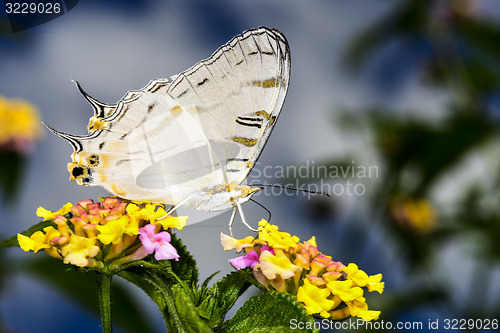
[77,171]
[80,173]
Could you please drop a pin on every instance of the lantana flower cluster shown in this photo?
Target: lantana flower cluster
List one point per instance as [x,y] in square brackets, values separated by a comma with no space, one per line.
[327,288]
[19,125]
[111,232]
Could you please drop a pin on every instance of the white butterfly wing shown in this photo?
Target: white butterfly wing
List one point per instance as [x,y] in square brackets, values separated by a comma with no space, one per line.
[237,95]
[169,141]
[147,148]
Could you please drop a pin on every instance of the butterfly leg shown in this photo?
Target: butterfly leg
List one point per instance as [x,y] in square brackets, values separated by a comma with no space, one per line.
[231,221]
[243,218]
[173,209]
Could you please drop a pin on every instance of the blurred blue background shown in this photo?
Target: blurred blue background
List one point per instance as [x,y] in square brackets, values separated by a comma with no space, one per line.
[364,85]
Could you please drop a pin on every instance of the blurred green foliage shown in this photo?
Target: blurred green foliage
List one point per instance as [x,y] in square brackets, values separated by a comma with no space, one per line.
[458,53]
[11,170]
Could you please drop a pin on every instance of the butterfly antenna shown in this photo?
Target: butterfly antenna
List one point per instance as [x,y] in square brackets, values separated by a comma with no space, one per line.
[294,189]
[268,219]
[267,210]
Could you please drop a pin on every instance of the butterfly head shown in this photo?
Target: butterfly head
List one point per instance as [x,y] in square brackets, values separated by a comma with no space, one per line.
[246,193]
[84,167]
[241,194]
[80,173]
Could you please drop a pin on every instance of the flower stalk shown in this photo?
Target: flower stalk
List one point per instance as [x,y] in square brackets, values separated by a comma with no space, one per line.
[104,299]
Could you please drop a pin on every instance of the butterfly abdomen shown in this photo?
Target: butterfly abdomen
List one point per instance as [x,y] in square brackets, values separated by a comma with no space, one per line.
[222,197]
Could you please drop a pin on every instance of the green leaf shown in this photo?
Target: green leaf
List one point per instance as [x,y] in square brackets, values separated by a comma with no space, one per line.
[185,268]
[216,302]
[247,274]
[269,312]
[188,319]
[12,241]
[173,297]
[480,76]
[146,279]
[426,148]
[207,280]
[406,22]
[482,34]
[81,287]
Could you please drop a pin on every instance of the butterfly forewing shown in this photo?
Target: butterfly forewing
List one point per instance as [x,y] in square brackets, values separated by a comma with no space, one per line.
[237,95]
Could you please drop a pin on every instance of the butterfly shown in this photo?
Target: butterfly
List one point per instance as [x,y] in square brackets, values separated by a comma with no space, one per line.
[191,140]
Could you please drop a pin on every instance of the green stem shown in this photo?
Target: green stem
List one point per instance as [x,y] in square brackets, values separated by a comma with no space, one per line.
[104,296]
